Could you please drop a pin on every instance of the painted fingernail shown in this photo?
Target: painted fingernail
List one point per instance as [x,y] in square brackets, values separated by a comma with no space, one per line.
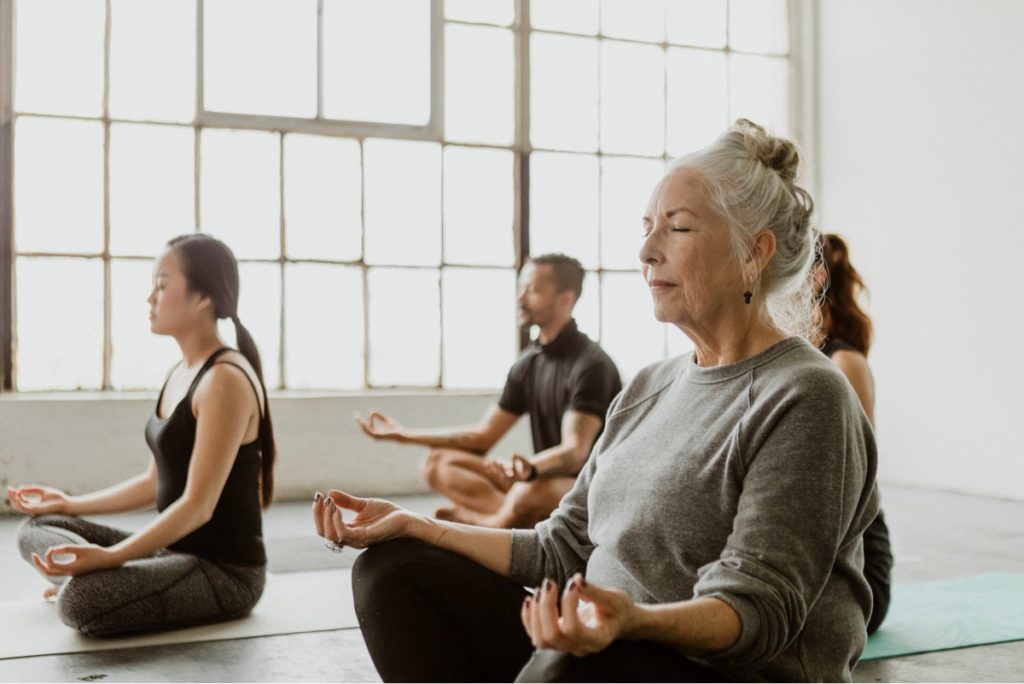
[549,585]
[583,581]
[318,497]
[571,585]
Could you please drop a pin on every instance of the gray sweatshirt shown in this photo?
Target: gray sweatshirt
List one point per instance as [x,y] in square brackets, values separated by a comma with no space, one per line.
[751,482]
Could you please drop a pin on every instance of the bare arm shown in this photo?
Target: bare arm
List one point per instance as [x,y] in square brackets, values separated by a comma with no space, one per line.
[695,627]
[855,367]
[131,495]
[579,430]
[224,404]
[477,439]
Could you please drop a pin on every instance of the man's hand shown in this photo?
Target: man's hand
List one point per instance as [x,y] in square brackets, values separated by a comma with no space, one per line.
[380,426]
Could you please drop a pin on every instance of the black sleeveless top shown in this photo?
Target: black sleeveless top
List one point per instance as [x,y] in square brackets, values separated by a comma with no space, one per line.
[235,532]
[831,345]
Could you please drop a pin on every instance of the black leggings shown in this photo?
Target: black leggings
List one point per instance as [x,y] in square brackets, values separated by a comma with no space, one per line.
[431,615]
[167,590]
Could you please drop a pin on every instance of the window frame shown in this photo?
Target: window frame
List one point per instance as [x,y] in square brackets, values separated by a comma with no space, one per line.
[801,60]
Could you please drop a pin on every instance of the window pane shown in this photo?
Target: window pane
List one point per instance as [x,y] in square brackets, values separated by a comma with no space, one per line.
[502,12]
[759,91]
[626,187]
[636,19]
[564,205]
[322,197]
[632,98]
[55,158]
[698,98]
[153,59]
[259,309]
[479,104]
[389,40]
[478,206]
[60,324]
[403,202]
[571,16]
[152,186]
[324,326]
[479,326]
[259,56]
[139,359]
[240,202]
[563,92]
[696,22]
[405,328]
[59,56]
[759,26]
[588,309]
[630,334]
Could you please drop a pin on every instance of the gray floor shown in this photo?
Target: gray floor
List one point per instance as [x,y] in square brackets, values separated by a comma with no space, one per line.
[936,536]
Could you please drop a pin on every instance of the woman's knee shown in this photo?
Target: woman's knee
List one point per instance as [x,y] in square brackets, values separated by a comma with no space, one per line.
[32,536]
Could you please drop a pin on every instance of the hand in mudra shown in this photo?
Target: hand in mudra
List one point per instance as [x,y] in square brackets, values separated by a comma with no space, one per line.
[375,520]
[380,426]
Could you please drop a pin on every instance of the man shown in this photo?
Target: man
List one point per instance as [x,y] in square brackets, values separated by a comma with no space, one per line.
[565,383]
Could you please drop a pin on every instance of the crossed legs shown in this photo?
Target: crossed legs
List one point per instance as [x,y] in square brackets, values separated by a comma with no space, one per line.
[479,500]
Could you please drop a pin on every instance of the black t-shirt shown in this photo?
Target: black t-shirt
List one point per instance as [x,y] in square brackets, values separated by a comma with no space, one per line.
[570,373]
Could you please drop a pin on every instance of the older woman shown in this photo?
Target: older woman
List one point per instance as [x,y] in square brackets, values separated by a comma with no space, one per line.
[719,520]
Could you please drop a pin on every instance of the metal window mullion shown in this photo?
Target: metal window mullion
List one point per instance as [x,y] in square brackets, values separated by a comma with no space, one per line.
[521,169]
[108,345]
[6,195]
[282,378]
[320,59]
[436,123]
[803,90]
[363,268]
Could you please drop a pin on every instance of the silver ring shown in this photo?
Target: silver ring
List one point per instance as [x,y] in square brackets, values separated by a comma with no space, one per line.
[335,546]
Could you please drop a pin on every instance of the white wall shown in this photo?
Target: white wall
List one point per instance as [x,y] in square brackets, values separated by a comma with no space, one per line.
[82,442]
[921,166]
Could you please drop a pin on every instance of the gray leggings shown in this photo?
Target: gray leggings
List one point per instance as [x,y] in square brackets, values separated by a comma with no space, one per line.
[167,590]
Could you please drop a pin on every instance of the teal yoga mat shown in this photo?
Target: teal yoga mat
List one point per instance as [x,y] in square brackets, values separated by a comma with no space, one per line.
[938,616]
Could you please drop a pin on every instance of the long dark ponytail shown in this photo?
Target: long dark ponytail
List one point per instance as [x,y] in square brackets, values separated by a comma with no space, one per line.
[211,269]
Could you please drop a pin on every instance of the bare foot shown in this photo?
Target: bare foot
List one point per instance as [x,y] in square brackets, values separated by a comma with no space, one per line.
[50,593]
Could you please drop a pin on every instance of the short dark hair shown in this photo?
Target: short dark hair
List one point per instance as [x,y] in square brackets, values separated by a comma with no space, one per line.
[568,272]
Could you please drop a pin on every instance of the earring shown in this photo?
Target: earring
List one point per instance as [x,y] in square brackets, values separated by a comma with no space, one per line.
[747,295]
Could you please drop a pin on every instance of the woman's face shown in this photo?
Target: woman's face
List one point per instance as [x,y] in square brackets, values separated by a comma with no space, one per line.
[687,255]
[172,307]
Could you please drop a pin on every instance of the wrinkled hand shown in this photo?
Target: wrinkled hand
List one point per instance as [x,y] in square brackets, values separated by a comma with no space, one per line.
[38,500]
[376,520]
[591,617]
[84,559]
[380,426]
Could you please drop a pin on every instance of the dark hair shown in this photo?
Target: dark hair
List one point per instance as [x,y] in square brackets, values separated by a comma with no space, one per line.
[847,321]
[211,270]
[568,272]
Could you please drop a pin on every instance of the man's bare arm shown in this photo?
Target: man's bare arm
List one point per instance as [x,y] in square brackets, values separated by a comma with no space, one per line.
[477,439]
[579,431]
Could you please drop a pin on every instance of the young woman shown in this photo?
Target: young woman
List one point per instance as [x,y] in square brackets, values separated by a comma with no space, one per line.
[846,338]
[202,559]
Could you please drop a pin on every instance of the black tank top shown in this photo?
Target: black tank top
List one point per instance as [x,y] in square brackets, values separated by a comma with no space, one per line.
[235,532]
[831,345]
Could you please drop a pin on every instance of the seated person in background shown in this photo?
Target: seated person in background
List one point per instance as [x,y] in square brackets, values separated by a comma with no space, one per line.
[846,339]
[201,560]
[565,383]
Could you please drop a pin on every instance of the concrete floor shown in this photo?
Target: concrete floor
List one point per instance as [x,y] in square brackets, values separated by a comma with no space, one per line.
[936,535]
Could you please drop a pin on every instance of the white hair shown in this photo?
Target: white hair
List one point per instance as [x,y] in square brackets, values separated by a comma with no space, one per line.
[751,180]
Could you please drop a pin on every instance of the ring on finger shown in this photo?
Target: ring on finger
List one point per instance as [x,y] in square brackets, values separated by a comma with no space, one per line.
[335,546]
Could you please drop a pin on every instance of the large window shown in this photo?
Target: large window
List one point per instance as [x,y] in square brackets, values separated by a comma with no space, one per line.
[381,168]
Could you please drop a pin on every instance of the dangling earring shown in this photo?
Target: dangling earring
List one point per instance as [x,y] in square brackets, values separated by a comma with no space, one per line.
[747,295]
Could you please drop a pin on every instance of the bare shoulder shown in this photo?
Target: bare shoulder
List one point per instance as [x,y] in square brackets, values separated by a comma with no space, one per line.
[853,364]
[232,378]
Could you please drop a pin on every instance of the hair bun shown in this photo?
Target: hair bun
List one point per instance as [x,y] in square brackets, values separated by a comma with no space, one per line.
[778,154]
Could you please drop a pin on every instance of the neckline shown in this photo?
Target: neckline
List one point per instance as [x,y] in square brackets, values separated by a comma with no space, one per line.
[714,374]
[191,386]
[563,341]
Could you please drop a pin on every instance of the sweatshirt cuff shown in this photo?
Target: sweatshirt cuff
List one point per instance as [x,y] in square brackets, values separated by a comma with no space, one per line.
[525,556]
[748,626]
